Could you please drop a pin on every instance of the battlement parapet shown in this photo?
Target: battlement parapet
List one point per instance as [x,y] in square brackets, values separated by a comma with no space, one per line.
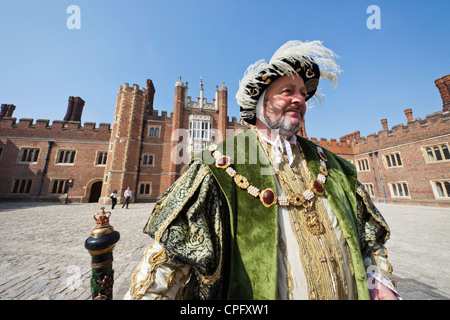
[434,124]
[234,122]
[125,88]
[201,103]
[154,115]
[26,127]
[340,147]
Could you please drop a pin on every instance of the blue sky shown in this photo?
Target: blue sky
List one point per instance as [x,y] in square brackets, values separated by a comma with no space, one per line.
[387,70]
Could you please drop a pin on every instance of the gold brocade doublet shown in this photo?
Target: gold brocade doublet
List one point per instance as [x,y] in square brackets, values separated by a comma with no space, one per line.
[319,250]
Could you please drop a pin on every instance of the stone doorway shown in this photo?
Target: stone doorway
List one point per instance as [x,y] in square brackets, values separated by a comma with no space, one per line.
[96,191]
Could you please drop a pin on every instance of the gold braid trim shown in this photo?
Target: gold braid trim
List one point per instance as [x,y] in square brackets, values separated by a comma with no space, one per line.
[287,265]
[156,259]
[320,254]
[169,282]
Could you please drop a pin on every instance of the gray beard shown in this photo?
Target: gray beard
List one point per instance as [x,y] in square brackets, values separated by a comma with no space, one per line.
[284,128]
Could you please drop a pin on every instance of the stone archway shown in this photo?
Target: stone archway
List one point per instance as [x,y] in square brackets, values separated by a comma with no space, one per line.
[96,191]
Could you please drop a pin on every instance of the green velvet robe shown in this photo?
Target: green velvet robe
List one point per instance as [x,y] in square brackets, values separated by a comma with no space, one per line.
[230,239]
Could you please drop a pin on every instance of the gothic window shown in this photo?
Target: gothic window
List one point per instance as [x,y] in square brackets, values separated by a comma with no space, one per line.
[393,160]
[147,160]
[145,188]
[154,131]
[101,158]
[441,189]
[399,190]
[29,155]
[22,186]
[59,186]
[200,131]
[66,157]
[437,153]
[363,165]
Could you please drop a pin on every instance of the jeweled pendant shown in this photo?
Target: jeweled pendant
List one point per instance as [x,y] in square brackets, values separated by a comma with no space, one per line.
[313,223]
[223,162]
[317,187]
[268,197]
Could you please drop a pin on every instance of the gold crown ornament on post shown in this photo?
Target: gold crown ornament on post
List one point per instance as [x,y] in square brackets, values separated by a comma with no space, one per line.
[100,245]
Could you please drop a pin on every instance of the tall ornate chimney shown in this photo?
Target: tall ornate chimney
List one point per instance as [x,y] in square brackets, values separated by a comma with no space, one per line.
[150,95]
[408,113]
[443,84]
[74,109]
[384,123]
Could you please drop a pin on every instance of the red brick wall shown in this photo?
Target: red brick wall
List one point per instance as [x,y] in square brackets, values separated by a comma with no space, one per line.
[86,140]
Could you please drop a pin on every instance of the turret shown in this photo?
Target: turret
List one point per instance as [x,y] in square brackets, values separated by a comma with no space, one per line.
[124,144]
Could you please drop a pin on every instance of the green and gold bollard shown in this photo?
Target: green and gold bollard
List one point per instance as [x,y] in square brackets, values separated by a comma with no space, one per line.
[100,245]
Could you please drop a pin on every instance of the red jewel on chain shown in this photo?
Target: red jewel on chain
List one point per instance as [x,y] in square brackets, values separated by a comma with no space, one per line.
[268,197]
[318,187]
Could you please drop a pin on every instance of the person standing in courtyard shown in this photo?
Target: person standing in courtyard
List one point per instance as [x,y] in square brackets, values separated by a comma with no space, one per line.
[113,197]
[127,195]
[268,214]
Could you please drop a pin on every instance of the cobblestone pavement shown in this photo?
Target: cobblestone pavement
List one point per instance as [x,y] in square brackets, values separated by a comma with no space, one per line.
[43,257]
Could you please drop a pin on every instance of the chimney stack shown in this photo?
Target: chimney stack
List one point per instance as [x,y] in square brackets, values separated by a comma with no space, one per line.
[443,84]
[150,95]
[74,109]
[409,116]
[69,109]
[7,110]
[384,123]
[77,109]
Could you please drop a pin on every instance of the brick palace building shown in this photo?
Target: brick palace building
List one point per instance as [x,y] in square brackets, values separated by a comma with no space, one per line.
[147,151]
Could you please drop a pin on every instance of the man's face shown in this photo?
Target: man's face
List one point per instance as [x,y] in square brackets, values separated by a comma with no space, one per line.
[285,105]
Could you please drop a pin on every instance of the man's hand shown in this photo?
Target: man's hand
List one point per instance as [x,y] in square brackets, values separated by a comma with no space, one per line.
[381,292]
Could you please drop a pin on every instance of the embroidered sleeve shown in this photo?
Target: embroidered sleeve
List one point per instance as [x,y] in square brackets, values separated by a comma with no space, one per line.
[157,278]
[189,221]
[374,232]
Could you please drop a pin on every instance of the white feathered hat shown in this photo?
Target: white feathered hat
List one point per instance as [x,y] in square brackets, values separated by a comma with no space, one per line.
[310,60]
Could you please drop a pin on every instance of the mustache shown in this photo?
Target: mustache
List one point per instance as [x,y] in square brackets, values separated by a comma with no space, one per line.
[293,108]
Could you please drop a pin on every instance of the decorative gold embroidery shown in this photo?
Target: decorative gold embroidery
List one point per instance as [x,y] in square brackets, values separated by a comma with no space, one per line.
[139,288]
[289,279]
[319,250]
[175,213]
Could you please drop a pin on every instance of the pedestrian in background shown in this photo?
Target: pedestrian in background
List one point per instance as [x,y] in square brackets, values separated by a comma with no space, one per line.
[127,195]
[113,197]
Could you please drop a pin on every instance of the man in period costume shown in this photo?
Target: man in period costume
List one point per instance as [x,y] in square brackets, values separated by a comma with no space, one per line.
[268,214]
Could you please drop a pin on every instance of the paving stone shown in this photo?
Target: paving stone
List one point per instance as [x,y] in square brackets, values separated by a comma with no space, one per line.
[43,257]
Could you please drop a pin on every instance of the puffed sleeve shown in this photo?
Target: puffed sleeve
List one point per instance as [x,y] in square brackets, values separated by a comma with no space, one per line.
[187,225]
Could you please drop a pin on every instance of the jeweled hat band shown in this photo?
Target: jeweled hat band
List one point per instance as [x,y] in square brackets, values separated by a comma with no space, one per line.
[307,69]
[310,60]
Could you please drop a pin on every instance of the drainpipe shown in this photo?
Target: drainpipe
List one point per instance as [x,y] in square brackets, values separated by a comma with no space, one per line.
[375,177]
[381,177]
[44,171]
[140,159]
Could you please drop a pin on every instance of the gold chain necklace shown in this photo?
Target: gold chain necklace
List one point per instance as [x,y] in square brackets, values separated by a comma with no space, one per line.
[320,250]
[268,197]
[310,216]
